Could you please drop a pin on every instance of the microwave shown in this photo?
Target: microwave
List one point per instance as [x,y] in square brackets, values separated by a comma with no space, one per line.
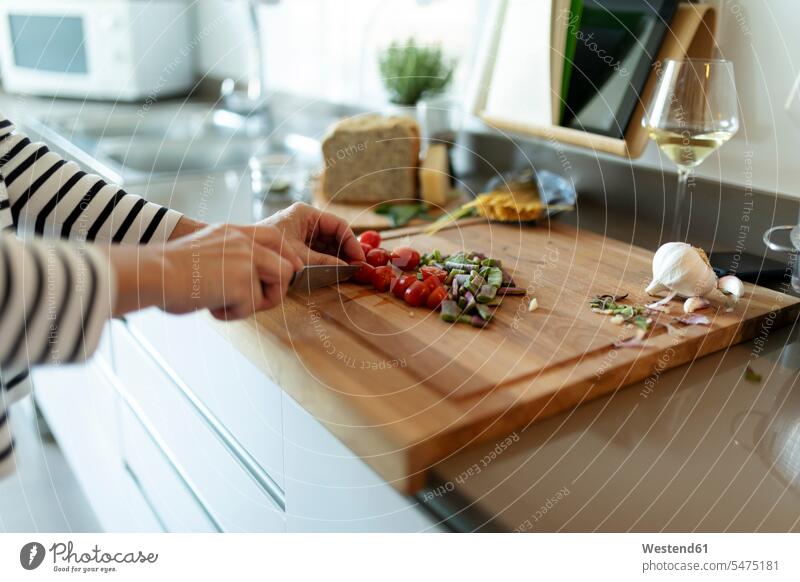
[125,50]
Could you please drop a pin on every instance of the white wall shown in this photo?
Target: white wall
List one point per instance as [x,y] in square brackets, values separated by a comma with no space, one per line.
[326,48]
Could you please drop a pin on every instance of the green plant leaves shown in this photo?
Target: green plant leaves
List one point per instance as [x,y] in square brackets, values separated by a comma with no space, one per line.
[412,71]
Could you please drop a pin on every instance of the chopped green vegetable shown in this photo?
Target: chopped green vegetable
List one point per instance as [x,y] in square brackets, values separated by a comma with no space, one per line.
[450,310]
[484,311]
[636,315]
[486,294]
[495,277]
[474,283]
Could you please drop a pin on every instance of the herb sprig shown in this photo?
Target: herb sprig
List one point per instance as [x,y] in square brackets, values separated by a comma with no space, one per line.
[637,315]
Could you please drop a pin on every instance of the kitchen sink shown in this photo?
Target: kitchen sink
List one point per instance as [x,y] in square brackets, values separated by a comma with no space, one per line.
[157,155]
[130,145]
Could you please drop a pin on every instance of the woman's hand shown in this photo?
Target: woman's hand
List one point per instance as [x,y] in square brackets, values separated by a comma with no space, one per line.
[231,270]
[317,237]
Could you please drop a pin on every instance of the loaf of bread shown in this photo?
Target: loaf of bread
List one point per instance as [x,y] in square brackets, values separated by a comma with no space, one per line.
[371,158]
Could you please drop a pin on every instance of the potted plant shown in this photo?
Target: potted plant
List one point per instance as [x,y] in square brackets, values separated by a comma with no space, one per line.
[413,72]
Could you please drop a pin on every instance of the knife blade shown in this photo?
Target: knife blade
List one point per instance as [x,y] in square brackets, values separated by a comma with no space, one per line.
[316,276]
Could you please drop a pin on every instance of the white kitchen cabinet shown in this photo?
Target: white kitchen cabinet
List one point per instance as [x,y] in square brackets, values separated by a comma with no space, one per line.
[224,478]
[233,389]
[330,489]
[171,495]
[81,409]
[153,455]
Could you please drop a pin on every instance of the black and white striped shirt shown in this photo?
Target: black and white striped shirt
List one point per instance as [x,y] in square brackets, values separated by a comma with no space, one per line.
[55,297]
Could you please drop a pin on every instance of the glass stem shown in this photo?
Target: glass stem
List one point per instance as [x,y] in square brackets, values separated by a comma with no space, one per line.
[680,200]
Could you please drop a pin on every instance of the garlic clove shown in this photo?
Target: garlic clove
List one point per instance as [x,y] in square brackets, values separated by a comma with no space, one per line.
[695,303]
[731,285]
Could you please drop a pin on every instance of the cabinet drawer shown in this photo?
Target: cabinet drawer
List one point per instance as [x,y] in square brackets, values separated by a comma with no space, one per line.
[170,494]
[232,388]
[236,492]
[82,409]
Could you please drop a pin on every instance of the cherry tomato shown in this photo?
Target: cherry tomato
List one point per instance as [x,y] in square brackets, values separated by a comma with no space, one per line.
[436,297]
[417,294]
[366,248]
[403,282]
[378,257]
[405,258]
[364,274]
[431,271]
[382,278]
[433,283]
[370,237]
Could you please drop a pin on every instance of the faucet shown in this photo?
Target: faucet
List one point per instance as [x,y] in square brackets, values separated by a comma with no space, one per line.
[247,109]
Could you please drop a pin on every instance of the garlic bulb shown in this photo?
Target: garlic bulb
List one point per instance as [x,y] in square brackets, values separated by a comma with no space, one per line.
[683,270]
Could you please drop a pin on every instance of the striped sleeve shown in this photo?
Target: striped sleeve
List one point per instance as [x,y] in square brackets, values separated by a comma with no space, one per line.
[54,301]
[53,197]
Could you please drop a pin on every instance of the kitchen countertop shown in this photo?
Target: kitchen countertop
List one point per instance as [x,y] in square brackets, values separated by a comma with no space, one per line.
[695,448]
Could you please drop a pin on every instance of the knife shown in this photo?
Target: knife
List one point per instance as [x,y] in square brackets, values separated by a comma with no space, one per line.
[316,276]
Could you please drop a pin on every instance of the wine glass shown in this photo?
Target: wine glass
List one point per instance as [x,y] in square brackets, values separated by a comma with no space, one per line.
[693,111]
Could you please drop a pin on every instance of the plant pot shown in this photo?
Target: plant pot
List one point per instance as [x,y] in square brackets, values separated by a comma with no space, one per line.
[438,117]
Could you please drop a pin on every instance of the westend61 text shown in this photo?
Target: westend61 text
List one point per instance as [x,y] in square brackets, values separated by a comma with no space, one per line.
[671,549]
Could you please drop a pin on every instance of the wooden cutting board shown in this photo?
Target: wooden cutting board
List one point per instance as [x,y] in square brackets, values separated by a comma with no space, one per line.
[404,390]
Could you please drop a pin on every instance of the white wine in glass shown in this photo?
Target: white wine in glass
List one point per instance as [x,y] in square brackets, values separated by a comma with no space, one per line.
[693,112]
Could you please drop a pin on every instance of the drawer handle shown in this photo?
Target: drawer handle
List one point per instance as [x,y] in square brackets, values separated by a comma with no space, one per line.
[162,449]
[245,460]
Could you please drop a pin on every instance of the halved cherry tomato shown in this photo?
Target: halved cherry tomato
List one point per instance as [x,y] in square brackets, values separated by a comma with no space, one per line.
[417,294]
[378,257]
[370,237]
[405,258]
[433,283]
[366,248]
[364,273]
[431,271]
[402,283]
[436,297]
[382,278]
